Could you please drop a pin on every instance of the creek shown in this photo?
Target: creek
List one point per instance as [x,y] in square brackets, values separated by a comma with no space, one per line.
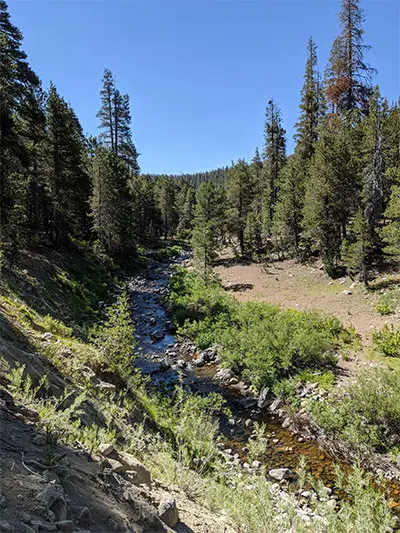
[169,361]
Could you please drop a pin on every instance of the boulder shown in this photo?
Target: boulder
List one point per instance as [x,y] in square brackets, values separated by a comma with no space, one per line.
[224,375]
[67,526]
[105,449]
[137,473]
[85,517]
[116,466]
[265,398]
[274,405]
[168,512]
[281,473]
[53,499]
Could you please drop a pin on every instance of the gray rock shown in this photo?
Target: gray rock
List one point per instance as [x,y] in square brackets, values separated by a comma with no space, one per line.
[168,512]
[256,464]
[49,476]
[137,473]
[264,398]
[53,499]
[67,526]
[105,449]
[274,405]
[223,374]
[85,517]
[40,525]
[281,473]
[116,466]
[5,527]
[47,336]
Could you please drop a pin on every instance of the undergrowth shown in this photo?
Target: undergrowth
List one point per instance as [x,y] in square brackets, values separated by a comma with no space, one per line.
[263,342]
[176,437]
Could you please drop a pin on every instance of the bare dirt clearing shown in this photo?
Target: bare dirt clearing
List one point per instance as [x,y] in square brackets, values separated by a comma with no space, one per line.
[307,287]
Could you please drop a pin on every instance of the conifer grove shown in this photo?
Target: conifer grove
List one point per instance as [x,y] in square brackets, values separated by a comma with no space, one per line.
[337,196]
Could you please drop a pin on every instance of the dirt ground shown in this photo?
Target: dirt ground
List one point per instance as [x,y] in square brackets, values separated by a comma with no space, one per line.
[307,287]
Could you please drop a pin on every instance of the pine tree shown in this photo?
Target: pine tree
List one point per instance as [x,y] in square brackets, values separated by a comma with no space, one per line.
[209,214]
[311,108]
[391,231]
[274,158]
[331,196]
[146,215]
[286,226]
[348,76]
[115,120]
[66,174]
[17,81]
[241,194]
[165,195]
[186,198]
[111,204]
[255,224]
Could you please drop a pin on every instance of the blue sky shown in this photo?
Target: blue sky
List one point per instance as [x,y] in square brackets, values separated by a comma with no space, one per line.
[199,72]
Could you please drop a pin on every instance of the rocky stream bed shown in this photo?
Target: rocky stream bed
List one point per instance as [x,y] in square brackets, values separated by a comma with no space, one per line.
[169,361]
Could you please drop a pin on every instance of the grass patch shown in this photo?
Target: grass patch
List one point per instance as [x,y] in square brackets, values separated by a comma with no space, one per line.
[366,415]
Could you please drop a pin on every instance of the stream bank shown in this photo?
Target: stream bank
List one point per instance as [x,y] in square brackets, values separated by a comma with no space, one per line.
[169,361]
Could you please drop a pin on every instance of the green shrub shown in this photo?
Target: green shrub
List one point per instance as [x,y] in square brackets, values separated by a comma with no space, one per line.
[389,302]
[384,307]
[261,341]
[367,413]
[115,338]
[56,326]
[387,341]
[325,380]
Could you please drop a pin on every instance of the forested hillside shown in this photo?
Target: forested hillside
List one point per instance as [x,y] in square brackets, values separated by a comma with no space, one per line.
[336,195]
[175,350]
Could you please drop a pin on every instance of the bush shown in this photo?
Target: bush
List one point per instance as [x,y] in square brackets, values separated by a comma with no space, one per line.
[384,307]
[366,414]
[261,341]
[115,338]
[387,341]
[389,302]
[56,326]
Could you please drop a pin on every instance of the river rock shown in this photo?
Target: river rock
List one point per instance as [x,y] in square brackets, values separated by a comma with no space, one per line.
[157,335]
[85,517]
[274,405]
[264,398]
[67,526]
[224,375]
[168,512]
[281,473]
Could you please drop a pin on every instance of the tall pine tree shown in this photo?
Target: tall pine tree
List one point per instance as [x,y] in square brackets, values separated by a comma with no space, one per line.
[274,158]
[348,76]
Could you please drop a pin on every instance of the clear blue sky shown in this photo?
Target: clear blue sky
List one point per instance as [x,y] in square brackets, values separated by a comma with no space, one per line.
[199,72]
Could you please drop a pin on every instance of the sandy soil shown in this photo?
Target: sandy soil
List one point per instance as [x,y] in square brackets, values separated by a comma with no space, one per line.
[306,287]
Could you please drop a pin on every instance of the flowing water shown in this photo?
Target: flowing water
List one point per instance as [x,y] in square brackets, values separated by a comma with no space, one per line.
[159,355]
